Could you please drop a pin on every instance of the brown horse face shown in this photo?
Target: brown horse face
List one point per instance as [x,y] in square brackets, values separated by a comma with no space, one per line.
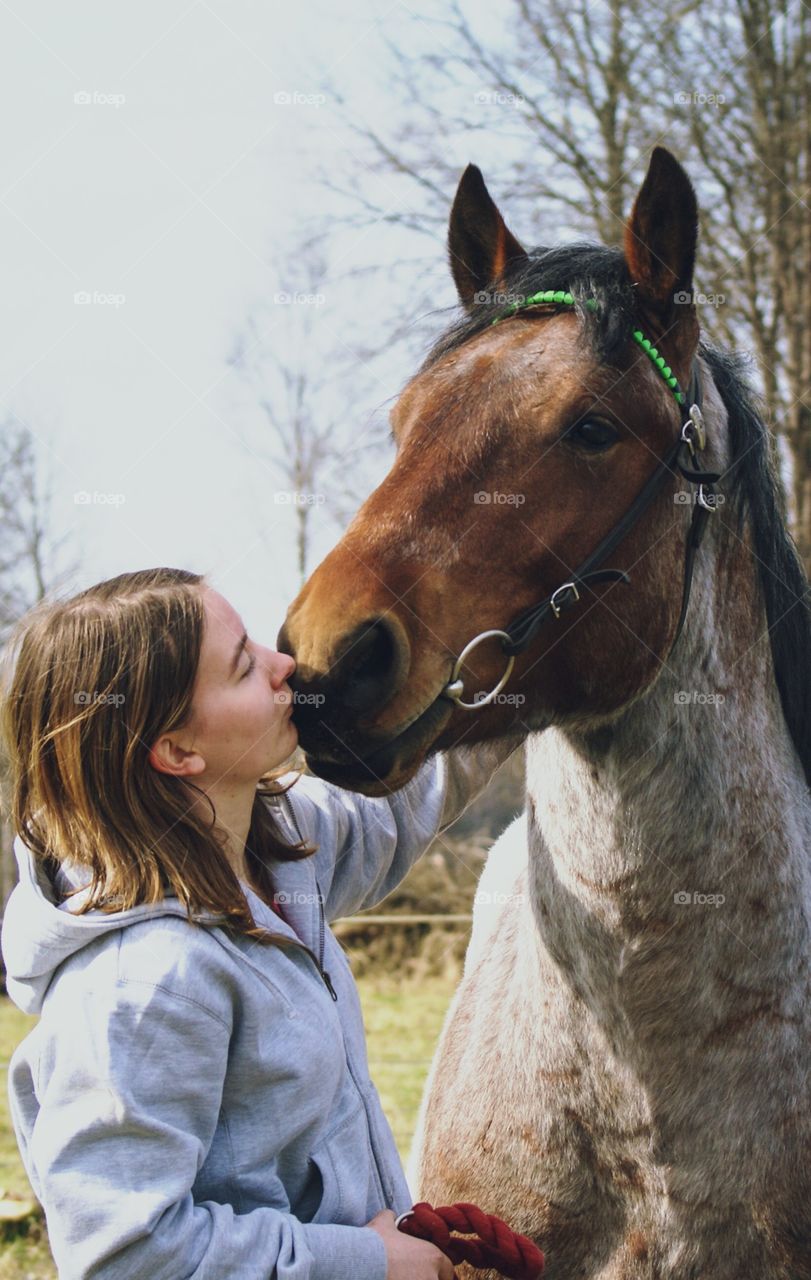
[516,453]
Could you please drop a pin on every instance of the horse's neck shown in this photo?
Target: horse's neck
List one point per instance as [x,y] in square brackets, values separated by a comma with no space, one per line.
[685,796]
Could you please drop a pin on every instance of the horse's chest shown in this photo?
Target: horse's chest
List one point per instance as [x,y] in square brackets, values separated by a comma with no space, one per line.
[600,1208]
[533,1120]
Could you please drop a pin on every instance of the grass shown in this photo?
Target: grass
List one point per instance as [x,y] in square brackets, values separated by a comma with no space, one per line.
[22,1256]
[402,1020]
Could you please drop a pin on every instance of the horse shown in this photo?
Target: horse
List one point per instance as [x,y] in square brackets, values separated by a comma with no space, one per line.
[582,540]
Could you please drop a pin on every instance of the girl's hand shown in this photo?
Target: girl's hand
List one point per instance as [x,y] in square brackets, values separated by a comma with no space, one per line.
[409,1258]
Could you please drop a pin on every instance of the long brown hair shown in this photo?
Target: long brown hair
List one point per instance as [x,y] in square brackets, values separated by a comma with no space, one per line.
[97,679]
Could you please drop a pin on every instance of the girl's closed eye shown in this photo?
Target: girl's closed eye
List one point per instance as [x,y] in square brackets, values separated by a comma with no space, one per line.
[250,667]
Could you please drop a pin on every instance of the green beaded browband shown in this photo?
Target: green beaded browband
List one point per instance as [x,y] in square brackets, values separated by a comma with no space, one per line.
[562,296]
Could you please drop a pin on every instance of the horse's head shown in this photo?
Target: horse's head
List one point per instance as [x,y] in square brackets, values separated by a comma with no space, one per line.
[520,445]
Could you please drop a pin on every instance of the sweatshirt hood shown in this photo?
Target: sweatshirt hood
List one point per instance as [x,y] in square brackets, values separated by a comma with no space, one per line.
[37,936]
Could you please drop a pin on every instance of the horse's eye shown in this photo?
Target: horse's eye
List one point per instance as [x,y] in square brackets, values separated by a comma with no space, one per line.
[592,436]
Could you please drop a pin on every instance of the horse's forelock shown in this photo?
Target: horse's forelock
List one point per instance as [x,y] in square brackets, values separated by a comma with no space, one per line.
[586,270]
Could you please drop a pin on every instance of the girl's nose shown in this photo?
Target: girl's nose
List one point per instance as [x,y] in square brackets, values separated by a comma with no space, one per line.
[284,664]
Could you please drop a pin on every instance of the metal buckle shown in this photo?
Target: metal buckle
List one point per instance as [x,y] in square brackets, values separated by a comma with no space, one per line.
[567,586]
[687,437]
[456,686]
[694,426]
[701,499]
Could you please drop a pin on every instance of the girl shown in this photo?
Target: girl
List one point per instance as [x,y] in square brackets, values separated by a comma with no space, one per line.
[195,1098]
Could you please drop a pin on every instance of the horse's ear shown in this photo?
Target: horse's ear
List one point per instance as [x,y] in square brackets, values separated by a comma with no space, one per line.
[480,245]
[661,235]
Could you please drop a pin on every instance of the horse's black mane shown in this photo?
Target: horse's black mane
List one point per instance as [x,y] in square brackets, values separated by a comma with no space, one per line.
[589,270]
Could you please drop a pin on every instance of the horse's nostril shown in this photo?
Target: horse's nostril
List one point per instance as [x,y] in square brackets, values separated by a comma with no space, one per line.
[368,670]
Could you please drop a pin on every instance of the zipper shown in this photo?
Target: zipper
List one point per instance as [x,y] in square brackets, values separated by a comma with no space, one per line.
[319,959]
[321,931]
[322,971]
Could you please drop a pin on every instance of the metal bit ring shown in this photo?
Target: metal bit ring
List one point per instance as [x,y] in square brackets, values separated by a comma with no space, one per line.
[456,685]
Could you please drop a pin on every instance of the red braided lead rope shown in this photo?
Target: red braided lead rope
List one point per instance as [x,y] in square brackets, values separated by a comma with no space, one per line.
[514,1256]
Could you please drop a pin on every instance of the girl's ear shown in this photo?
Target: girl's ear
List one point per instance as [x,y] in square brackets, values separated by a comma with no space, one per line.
[167,756]
[480,245]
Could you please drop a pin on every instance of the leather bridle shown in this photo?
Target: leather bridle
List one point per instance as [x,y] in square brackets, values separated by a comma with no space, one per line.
[683,456]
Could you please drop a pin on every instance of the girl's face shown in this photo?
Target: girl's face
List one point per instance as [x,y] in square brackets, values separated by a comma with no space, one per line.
[241,723]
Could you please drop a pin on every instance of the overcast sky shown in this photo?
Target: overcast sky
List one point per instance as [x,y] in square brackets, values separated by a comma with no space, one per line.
[159,157]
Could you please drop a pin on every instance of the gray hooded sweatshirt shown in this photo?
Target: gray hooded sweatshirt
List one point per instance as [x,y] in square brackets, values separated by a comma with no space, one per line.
[194,1105]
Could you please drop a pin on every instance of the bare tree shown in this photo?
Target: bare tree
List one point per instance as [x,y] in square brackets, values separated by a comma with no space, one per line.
[307,384]
[29,552]
[565,108]
[754,140]
[305,449]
